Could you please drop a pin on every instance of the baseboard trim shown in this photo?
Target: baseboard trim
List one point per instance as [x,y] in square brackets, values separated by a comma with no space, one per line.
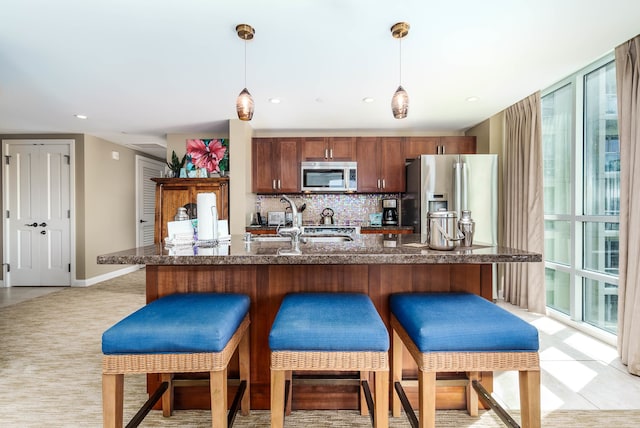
[104,277]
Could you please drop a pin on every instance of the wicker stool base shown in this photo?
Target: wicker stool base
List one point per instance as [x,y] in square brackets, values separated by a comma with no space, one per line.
[284,362]
[526,363]
[114,367]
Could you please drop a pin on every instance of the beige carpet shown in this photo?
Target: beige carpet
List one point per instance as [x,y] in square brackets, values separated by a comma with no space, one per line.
[50,371]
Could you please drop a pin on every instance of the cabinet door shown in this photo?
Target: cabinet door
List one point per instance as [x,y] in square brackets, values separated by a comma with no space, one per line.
[314,149]
[222,196]
[367,150]
[458,145]
[170,198]
[288,161]
[342,149]
[416,146]
[174,193]
[262,165]
[392,169]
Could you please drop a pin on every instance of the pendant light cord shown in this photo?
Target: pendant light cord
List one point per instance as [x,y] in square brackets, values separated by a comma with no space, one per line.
[400,61]
[245,63]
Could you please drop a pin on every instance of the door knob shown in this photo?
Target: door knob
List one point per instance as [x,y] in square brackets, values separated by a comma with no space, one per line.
[43,224]
[34,224]
[143,221]
[43,232]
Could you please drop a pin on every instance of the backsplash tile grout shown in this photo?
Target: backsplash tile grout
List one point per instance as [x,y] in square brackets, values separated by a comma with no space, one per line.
[353,209]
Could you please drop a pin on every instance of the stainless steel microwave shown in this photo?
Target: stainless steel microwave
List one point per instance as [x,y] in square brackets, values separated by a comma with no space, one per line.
[329,176]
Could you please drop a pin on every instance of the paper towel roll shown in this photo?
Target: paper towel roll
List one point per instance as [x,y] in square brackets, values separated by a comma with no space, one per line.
[207,217]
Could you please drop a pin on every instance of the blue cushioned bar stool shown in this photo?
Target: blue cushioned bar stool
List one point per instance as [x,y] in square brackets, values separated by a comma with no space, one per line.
[180,333]
[330,332]
[461,332]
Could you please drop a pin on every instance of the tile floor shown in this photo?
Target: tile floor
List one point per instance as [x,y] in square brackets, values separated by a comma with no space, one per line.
[578,371]
[12,295]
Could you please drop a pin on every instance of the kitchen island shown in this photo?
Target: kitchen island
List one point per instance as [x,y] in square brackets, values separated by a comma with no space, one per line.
[372,264]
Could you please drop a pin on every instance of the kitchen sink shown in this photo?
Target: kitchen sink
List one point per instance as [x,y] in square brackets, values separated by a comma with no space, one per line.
[270,238]
[304,239]
[325,238]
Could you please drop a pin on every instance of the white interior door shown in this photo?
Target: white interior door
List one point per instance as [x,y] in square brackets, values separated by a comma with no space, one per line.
[38,213]
[146,169]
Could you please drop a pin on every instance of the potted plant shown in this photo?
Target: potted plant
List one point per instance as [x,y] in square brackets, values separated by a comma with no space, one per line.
[176,164]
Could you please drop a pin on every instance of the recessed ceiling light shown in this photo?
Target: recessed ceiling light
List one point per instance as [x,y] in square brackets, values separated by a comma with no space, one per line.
[367,100]
[472,99]
[81,116]
[274,100]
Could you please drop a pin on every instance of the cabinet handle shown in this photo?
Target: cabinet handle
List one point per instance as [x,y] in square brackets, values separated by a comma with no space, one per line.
[326,153]
[273,184]
[279,185]
[384,185]
[443,150]
[331,153]
[378,183]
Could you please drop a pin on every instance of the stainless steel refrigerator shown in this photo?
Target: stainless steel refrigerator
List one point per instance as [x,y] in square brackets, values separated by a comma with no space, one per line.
[455,183]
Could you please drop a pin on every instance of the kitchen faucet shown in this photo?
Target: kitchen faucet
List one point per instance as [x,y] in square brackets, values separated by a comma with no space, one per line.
[294,231]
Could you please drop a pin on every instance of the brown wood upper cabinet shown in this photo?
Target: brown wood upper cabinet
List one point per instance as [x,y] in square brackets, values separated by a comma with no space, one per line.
[275,165]
[172,193]
[380,165]
[328,149]
[416,146]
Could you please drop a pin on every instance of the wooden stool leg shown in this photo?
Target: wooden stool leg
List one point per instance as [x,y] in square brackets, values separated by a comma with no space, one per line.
[218,388]
[364,409]
[396,367]
[112,400]
[167,397]
[381,416]
[472,394]
[427,398]
[530,398]
[245,372]
[277,398]
[288,375]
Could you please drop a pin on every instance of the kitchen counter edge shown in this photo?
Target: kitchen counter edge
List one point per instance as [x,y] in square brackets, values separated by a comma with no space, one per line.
[371,251]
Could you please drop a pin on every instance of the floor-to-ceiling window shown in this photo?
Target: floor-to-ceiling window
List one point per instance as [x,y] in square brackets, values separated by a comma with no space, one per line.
[582,196]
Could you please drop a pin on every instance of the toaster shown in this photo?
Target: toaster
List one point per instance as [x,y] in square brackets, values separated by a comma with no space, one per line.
[275,218]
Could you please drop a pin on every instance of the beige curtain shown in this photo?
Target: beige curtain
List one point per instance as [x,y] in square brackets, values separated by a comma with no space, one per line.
[523,220]
[628,84]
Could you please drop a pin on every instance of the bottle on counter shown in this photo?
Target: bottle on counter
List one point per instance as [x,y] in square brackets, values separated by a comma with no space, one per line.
[466,226]
[181,214]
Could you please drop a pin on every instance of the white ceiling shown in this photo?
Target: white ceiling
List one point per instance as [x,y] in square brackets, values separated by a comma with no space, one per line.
[140,69]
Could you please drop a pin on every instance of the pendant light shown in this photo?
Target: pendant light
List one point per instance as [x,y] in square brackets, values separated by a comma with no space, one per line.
[400,100]
[244,103]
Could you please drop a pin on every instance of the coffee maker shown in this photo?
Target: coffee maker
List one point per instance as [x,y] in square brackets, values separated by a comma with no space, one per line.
[389,212]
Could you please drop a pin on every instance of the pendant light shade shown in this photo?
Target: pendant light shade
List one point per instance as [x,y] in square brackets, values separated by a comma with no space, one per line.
[244,103]
[400,99]
[400,103]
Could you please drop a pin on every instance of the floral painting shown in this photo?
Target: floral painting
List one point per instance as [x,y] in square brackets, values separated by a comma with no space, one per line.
[210,154]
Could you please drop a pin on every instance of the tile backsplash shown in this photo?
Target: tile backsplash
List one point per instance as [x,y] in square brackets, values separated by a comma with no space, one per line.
[348,209]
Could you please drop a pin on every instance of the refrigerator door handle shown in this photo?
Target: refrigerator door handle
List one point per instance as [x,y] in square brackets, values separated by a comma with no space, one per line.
[464,197]
[457,187]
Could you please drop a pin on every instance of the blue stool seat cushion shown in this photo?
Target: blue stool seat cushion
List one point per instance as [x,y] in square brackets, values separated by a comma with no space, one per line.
[179,323]
[460,322]
[335,322]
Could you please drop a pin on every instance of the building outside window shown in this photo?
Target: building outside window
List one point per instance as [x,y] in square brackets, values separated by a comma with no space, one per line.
[581,153]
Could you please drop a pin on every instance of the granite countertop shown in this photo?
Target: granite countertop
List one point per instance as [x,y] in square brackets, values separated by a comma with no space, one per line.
[364,249]
[362,228]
